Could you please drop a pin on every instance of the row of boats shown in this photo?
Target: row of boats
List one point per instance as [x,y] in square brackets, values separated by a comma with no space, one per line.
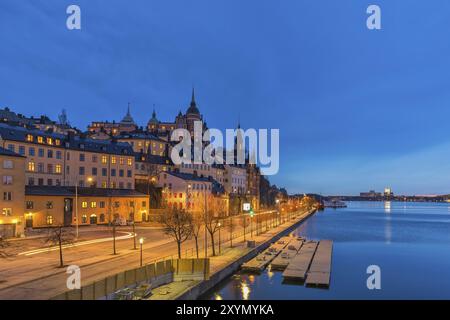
[299,259]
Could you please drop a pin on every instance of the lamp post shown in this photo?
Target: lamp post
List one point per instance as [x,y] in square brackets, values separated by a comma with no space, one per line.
[134,235]
[219,238]
[141,242]
[251,227]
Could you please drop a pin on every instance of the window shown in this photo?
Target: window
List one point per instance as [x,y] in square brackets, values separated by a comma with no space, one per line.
[121,160]
[84,218]
[49,220]
[7,212]
[94,158]
[120,185]
[57,142]
[40,139]
[7,196]
[104,185]
[8,164]
[31,181]
[129,173]
[22,150]
[102,204]
[104,172]
[58,168]
[144,204]
[102,217]
[31,152]
[129,161]
[29,138]
[58,155]
[49,168]
[93,204]
[82,157]
[113,172]
[94,171]
[29,204]
[41,152]
[49,153]
[113,160]
[121,173]
[50,141]
[11,147]
[129,185]
[104,159]
[49,205]
[7,180]
[84,204]
[81,171]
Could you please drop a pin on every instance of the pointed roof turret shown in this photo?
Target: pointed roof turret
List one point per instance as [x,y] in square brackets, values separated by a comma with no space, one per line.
[193,106]
[153,120]
[128,118]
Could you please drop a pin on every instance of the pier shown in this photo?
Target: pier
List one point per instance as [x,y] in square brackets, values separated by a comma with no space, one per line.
[320,269]
[299,265]
[287,254]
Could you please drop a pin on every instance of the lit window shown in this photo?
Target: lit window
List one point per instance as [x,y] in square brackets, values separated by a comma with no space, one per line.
[84,204]
[93,204]
[121,160]
[49,220]
[29,138]
[113,160]
[50,141]
[57,142]
[40,139]
[58,168]
[104,159]
[31,166]
[129,161]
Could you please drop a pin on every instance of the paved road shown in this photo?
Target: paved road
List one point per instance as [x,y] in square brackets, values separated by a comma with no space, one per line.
[38,277]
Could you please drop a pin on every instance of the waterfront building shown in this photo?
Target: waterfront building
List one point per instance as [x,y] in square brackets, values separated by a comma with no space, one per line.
[67,160]
[145,142]
[47,206]
[370,194]
[12,199]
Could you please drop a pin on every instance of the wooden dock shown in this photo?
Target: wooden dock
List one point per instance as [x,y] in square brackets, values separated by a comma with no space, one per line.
[299,265]
[320,269]
[287,254]
[262,260]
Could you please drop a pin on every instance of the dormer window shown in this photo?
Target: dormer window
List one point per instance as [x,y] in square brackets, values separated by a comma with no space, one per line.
[57,142]
[40,139]
[81,146]
[30,138]
[50,141]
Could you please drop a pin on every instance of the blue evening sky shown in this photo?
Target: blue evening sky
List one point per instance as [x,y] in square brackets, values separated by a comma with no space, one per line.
[356,109]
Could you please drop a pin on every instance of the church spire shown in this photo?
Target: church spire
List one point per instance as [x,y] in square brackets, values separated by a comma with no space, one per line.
[193,97]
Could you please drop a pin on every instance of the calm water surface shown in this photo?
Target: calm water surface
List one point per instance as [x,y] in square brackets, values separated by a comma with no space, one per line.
[410,242]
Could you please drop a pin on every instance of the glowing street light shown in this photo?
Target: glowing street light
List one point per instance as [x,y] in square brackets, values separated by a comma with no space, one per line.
[141,242]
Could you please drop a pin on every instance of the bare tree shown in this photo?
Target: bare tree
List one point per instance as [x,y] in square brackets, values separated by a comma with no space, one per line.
[196,226]
[59,236]
[178,225]
[231,229]
[212,218]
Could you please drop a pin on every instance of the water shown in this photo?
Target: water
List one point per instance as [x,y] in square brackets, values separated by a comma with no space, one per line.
[410,242]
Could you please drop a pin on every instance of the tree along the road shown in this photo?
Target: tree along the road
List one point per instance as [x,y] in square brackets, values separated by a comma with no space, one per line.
[59,236]
[178,225]
[196,226]
[212,218]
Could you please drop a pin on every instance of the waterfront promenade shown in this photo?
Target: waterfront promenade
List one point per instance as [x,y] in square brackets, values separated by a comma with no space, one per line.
[228,262]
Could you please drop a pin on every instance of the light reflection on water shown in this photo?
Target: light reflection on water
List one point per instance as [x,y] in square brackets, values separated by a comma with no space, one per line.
[404,239]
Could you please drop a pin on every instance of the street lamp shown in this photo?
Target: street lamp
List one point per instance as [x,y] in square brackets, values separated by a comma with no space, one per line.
[141,242]
[251,227]
[219,237]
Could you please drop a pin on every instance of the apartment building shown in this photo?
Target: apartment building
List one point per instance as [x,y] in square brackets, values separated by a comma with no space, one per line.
[12,199]
[47,206]
[67,160]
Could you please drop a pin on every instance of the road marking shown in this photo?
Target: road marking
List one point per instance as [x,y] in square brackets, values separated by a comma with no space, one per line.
[127,235]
